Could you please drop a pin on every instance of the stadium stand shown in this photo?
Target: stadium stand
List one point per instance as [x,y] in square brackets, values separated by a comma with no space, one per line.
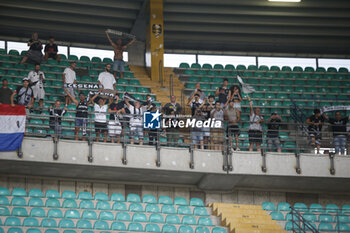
[100,213]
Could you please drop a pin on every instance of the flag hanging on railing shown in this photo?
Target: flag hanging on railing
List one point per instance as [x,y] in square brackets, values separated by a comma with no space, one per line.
[12,126]
[246,88]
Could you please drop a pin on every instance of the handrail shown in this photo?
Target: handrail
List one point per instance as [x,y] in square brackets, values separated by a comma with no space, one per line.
[161,78]
[171,85]
[301,223]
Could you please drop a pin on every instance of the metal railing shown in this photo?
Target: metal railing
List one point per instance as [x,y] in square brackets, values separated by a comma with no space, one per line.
[300,224]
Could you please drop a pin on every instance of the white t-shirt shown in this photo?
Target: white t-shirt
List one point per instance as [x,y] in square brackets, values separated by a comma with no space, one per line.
[35,77]
[100,113]
[70,75]
[253,122]
[107,80]
[136,118]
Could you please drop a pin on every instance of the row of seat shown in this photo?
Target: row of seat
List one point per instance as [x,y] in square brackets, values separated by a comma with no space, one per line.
[20,192]
[93,214]
[171,219]
[104,205]
[302,207]
[13,53]
[148,228]
[279,216]
[322,227]
[262,68]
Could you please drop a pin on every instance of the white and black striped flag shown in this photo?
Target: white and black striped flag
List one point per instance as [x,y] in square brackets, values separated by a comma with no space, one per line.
[246,88]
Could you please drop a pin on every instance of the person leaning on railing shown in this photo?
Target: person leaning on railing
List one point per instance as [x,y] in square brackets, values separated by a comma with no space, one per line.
[338,125]
[56,114]
[255,129]
[315,122]
[217,134]
[100,110]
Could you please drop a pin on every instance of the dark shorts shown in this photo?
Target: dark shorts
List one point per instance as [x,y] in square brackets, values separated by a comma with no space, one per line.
[255,136]
[53,56]
[100,127]
[81,122]
[233,130]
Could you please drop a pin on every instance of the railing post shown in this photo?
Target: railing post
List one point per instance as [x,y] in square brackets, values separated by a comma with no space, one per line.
[191,157]
[158,150]
[263,157]
[90,158]
[20,152]
[124,160]
[55,143]
[297,157]
[331,158]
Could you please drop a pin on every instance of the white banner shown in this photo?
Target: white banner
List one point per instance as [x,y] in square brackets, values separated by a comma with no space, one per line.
[246,88]
[335,108]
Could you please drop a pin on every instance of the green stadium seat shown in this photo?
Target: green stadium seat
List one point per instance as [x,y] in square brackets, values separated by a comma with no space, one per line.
[4,211]
[283,206]
[189,72]
[22,67]
[4,201]
[13,52]
[259,74]
[143,90]
[294,75]
[73,58]
[332,70]
[212,73]
[342,227]
[229,67]
[158,218]
[168,209]
[69,203]
[218,67]
[305,76]
[278,216]
[135,226]
[47,222]
[130,89]
[101,197]
[139,217]
[265,81]
[201,72]
[215,86]
[4,58]
[202,230]
[321,69]
[194,79]
[324,226]
[180,201]
[54,213]
[128,75]
[172,219]
[207,66]
[72,213]
[103,205]
[300,89]
[310,217]
[2,51]
[66,223]
[165,200]
[317,76]
[196,202]
[135,207]
[18,201]
[224,73]
[123,216]
[205,221]
[89,214]
[19,192]
[268,206]
[202,211]
[132,197]
[119,206]
[118,226]
[12,72]
[152,208]
[19,211]
[151,227]
[315,208]
[309,69]
[252,67]
[270,75]
[286,68]
[190,85]
[85,196]
[346,209]
[218,230]
[96,59]
[71,231]
[185,229]
[169,229]
[135,82]
[331,208]
[189,220]
[84,58]
[312,89]
[263,88]
[84,224]
[241,67]
[86,204]
[248,74]
[120,88]
[297,69]
[15,230]
[35,201]
[184,65]
[37,212]
[282,75]
[6,65]
[12,221]
[106,215]
[195,66]
[184,210]
[30,222]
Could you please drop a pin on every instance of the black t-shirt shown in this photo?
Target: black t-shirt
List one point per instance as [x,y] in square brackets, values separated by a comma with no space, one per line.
[194,106]
[82,109]
[339,126]
[35,46]
[56,114]
[170,106]
[316,120]
[51,48]
[5,95]
[273,128]
[113,106]
[223,93]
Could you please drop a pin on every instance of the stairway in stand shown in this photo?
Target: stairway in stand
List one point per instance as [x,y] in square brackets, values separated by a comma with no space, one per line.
[162,93]
[245,218]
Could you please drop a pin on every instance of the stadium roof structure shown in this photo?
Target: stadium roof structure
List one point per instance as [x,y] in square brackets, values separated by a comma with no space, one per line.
[318,27]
